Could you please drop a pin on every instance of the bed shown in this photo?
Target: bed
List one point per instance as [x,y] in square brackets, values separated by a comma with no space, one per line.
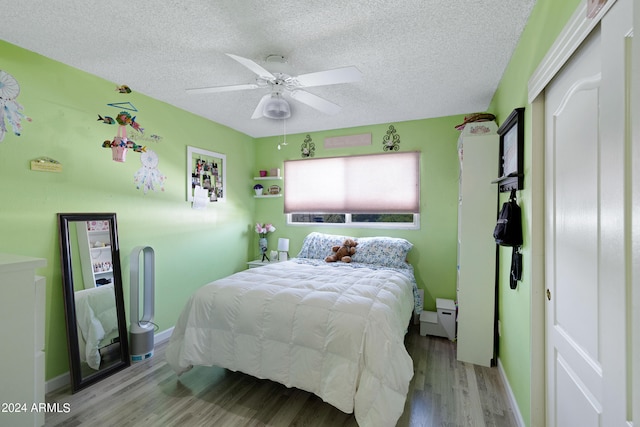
[97,322]
[333,329]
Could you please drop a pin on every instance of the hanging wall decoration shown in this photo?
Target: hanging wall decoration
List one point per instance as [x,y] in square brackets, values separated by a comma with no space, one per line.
[128,106]
[121,143]
[123,106]
[391,141]
[308,148]
[148,177]
[106,120]
[123,89]
[10,109]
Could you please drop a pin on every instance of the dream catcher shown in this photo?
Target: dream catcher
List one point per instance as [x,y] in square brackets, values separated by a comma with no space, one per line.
[10,109]
[148,176]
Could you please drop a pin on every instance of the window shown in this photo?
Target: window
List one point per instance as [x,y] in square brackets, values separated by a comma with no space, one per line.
[401,221]
[392,218]
[301,218]
[370,190]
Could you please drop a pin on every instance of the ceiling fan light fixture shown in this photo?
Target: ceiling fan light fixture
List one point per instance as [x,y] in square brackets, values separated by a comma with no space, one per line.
[277,108]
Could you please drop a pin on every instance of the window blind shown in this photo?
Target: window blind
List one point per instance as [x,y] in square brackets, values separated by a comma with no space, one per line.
[375,183]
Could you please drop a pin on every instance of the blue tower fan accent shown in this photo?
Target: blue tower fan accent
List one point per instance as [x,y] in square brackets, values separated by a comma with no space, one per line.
[142,329]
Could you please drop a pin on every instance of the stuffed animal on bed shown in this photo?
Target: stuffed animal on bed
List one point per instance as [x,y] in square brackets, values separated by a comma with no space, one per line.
[343,253]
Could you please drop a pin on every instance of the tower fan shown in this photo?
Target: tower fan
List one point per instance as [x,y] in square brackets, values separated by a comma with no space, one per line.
[142,328]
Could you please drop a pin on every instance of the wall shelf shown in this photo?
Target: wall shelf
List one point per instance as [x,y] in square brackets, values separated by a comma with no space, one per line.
[266,193]
[509,182]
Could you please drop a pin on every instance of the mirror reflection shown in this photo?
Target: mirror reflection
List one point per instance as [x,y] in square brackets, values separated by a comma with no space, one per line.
[96,327]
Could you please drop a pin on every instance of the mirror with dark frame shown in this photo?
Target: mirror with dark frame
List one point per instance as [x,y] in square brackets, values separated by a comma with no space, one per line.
[93,297]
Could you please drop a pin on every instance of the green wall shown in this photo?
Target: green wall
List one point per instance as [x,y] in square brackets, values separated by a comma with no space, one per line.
[545,23]
[434,253]
[191,247]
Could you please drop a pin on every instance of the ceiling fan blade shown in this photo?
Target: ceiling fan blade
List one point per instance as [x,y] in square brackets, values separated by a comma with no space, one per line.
[257,113]
[315,101]
[230,88]
[261,72]
[330,77]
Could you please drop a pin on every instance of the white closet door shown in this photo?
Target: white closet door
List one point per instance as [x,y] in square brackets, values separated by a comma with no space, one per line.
[586,253]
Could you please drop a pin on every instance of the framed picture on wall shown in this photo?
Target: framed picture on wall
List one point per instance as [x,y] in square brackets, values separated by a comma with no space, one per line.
[511,164]
[207,170]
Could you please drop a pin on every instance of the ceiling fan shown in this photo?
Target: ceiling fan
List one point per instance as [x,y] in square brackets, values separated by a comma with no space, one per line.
[273,105]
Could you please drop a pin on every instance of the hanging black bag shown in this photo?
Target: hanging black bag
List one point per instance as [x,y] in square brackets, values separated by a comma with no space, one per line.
[508,231]
[516,268]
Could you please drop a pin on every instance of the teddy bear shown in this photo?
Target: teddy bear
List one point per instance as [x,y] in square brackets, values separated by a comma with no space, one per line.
[343,253]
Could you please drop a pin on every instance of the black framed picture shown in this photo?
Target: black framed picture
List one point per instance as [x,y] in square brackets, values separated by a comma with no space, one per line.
[511,164]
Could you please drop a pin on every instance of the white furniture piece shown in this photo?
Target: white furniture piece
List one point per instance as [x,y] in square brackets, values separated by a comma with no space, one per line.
[94,244]
[440,323]
[22,312]
[477,213]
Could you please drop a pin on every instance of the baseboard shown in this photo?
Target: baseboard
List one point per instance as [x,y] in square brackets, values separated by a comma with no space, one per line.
[163,336]
[57,383]
[512,398]
[64,379]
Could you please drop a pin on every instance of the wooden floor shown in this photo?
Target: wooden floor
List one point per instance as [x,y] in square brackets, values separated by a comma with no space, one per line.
[443,392]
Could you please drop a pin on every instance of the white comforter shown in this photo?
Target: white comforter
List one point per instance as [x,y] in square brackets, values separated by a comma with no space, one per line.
[96,318]
[336,330]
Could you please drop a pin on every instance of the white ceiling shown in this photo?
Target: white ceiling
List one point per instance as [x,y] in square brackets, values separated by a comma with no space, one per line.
[419,58]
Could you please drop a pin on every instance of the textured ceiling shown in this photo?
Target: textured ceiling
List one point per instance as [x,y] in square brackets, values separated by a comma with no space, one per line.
[419,58]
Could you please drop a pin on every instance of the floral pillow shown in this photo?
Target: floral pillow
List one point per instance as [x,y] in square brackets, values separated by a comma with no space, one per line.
[384,251]
[318,245]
